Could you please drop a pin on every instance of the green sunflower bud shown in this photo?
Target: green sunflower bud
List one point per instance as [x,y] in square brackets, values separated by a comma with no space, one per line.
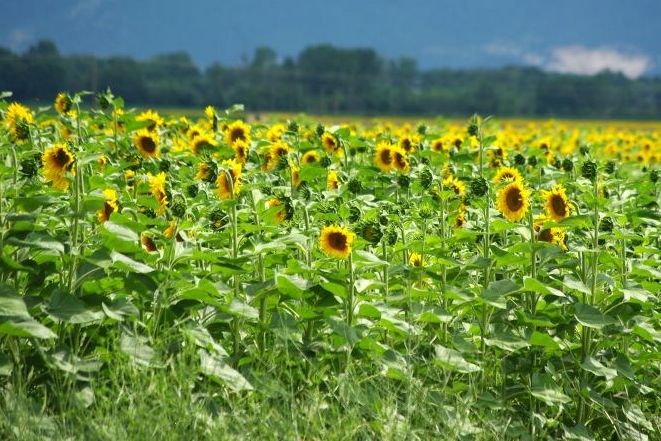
[519,159]
[403,181]
[426,178]
[589,170]
[654,175]
[567,165]
[355,186]
[192,190]
[479,186]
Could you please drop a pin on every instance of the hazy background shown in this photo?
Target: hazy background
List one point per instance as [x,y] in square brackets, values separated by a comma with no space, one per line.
[559,37]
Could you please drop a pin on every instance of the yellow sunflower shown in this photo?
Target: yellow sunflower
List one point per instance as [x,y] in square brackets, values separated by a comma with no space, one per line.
[210,112]
[331,143]
[400,160]
[169,231]
[408,143]
[152,118]
[275,132]
[18,117]
[460,220]
[507,174]
[513,201]
[241,149]
[310,157]
[224,190]
[277,151]
[415,259]
[332,180]
[557,205]
[336,241]
[147,143]
[157,188]
[202,142]
[147,243]
[63,103]
[237,131]
[438,145]
[552,235]
[57,160]
[295,177]
[383,156]
[110,205]
[454,184]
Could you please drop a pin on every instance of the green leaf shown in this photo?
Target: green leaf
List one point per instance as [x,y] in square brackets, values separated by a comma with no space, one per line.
[363,285]
[508,342]
[291,286]
[28,328]
[576,284]
[453,360]
[137,349]
[222,372]
[593,365]
[127,264]
[12,304]
[121,232]
[591,317]
[69,309]
[39,240]
[496,291]
[341,328]
[534,285]
[545,389]
[240,309]
[120,309]
[544,340]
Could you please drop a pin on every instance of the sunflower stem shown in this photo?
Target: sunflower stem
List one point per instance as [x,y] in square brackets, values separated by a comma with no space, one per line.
[350,290]
[384,246]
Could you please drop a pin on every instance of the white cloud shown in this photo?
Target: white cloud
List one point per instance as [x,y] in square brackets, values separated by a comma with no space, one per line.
[19,38]
[584,61]
[85,8]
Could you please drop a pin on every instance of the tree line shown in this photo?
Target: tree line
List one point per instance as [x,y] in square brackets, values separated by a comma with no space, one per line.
[328,79]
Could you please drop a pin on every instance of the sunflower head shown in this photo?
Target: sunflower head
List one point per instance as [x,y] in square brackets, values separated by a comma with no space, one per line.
[383,156]
[336,241]
[400,160]
[63,103]
[18,119]
[57,160]
[237,131]
[507,174]
[278,155]
[153,120]
[226,189]
[513,201]
[415,259]
[202,143]
[438,145]
[557,205]
[332,180]
[157,188]
[275,132]
[454,184]
[110,205]
[287,210]
[408,143]
[310,157]
[331,143]
[147,143]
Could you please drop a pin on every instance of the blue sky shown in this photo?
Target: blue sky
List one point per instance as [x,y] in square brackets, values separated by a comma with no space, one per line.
[580,36]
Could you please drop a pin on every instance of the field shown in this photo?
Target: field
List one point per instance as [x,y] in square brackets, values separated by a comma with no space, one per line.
[165,277]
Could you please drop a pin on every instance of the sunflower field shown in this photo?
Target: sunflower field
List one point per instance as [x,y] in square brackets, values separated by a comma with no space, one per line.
[163,278]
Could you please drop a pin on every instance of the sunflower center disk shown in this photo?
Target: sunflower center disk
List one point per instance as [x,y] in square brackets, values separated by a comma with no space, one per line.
[148,145]
[514,200]
[337,241]
[559,207]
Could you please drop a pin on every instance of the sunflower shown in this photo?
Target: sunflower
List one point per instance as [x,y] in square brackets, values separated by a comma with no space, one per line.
[295,177]
[507,174]
[408,143]
[210,112]
[331,143]
[285,213]
[277,151]
[557,206]
[152,118]
[241,150]
[237,131]
[551,235]
[400,161]
[454,184]
[460,220]
[415,259]
[224,190]
[110,205]
[438,145]
[310,157]
[57,160]
[275,132]
[169,231]
[336,241]
[513,201]
[332,181]
[147,243]
[157,188]
[63,103]
[18,118]
[147,143]
[202,142]
[383,156]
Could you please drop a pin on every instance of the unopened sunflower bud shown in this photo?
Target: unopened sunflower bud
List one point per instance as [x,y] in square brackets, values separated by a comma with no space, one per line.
[370,231]
[320,129]
[567,165]
[426,178]
[519,159]
[532,161]
[178,209]
[589,170]
[473,128]
[584,150]
[403,181]
[29,167]
[390,236]
[606,224]
[654,175]
[610,167]
[325,161]
[354,214]
[426,211]
[355,186]
[479,186]
[192,190]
